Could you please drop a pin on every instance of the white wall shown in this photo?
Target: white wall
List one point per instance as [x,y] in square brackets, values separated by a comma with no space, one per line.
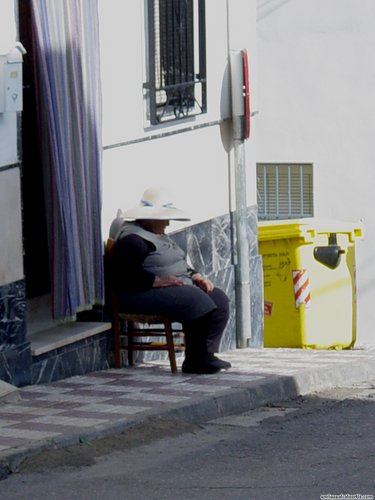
[11,263]
[316,82]
[8,122]
[11,258]
[195,165]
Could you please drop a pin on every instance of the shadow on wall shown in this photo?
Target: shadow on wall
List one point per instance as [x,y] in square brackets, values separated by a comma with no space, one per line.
[267,7]
[226,111]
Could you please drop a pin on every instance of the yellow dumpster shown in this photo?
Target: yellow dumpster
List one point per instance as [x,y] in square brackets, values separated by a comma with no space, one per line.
[309,283]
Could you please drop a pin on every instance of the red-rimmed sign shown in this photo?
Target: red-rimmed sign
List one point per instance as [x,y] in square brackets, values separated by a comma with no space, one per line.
[246,92]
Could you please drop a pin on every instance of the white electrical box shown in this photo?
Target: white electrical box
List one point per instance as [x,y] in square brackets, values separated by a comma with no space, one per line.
[11,79]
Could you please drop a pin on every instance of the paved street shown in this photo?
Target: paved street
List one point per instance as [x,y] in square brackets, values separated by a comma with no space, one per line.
[298,449]
[100,404]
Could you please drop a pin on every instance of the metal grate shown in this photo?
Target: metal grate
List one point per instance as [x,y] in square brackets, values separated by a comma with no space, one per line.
[285,191]
[177,59]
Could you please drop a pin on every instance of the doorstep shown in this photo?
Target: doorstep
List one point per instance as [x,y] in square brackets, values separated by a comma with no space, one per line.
[64,334]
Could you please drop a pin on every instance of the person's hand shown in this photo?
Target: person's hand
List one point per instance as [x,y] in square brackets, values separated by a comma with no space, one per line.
[203,283]
[161,281]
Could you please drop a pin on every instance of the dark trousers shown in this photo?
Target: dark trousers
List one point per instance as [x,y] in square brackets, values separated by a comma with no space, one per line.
[203,335]
[210,312]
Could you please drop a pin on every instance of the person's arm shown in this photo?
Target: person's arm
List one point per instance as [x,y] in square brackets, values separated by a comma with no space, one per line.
[203,283]
[199,280]
[130,252]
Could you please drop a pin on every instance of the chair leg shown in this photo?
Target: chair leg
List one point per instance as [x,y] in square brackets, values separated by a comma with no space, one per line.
[130,326]
[117,342]
[170,345]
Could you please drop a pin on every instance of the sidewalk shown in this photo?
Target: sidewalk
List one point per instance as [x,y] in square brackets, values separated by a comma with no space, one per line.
[87,407]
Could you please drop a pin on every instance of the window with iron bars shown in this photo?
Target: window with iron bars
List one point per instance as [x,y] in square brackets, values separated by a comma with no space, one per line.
[176,84]
[285,191]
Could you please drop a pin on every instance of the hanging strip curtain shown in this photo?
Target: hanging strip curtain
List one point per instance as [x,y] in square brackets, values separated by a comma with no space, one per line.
[67,54]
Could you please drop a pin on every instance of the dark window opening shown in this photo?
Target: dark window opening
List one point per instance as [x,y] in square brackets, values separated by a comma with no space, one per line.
[177,59]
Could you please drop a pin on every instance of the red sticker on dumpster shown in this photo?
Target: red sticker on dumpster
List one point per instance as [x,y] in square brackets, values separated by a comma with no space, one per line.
[268,308]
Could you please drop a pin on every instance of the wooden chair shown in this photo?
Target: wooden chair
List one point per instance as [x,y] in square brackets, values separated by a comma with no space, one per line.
[129,334]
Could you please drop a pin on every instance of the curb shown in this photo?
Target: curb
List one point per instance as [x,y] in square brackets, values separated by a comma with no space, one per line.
[8,393]
[257,393]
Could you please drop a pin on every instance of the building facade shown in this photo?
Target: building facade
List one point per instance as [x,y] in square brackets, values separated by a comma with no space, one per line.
[316,99]
[123,121]
[147,128]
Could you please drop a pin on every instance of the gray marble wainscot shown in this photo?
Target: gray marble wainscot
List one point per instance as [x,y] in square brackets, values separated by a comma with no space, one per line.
[15,352]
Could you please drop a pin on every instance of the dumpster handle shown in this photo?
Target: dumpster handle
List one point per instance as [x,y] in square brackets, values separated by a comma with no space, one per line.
[329,255]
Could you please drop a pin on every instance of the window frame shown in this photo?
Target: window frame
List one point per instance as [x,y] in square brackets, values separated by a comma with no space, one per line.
[167,101]
[285,191]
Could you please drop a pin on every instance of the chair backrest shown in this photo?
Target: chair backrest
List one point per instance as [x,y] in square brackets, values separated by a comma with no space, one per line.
[109,248]
[111,296]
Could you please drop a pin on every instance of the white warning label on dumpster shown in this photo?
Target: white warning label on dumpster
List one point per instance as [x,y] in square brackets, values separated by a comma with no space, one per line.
[301,284]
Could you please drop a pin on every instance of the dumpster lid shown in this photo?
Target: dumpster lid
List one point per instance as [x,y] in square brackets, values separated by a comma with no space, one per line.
[307,228]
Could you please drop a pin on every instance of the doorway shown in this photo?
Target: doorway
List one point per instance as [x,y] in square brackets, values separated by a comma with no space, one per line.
[36,261]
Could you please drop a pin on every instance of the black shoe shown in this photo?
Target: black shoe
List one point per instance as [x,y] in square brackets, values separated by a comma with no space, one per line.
[220,363]
[202,368]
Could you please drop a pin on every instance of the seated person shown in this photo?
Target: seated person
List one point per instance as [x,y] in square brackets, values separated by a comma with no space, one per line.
[153,277]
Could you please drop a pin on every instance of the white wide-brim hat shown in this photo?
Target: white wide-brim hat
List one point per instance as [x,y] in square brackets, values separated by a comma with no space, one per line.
[157,204]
